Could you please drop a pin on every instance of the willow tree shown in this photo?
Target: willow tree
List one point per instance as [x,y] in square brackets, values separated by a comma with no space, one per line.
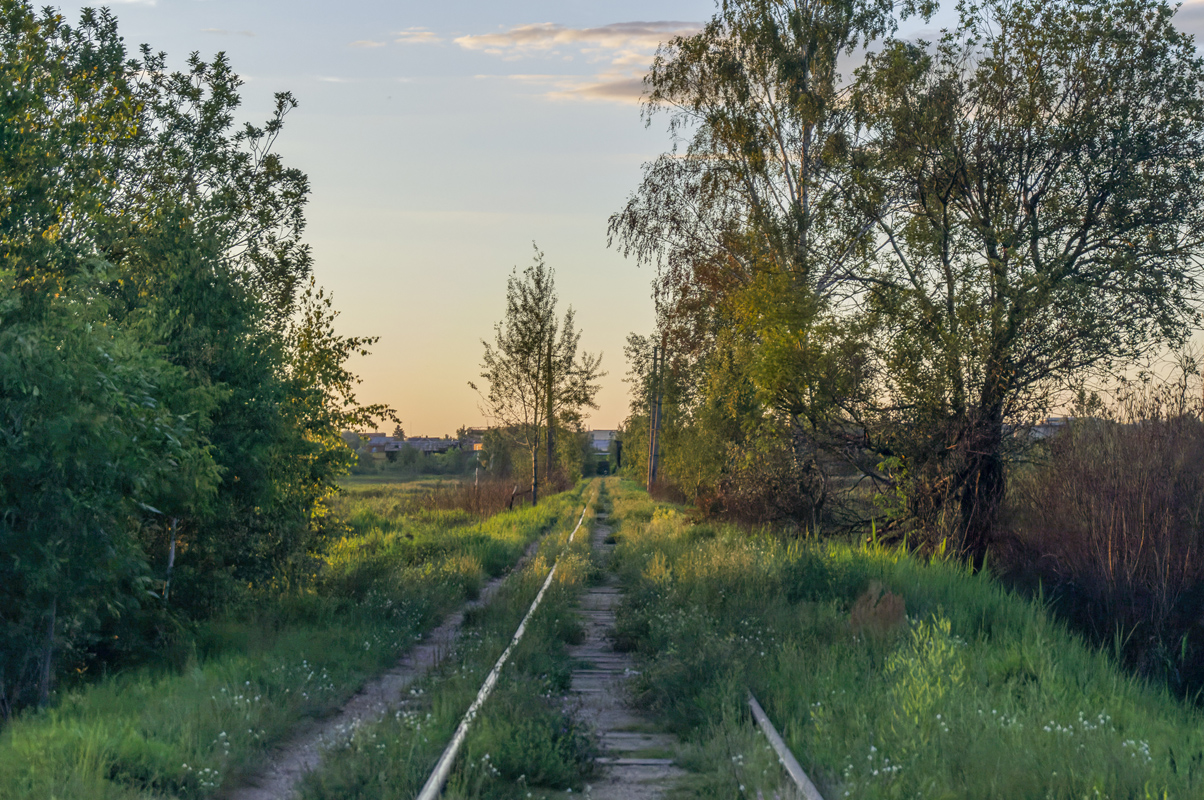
[536,376]
[1034,183]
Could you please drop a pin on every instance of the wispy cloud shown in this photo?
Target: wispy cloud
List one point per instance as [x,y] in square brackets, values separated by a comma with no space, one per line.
[367,43]
[416,36]
[224,32]
[623,51]
[619,38]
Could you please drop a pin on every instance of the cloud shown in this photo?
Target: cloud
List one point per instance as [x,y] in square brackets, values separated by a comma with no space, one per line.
[367,43]
[416,36]
[606,87]
[1190,18]
[623,49]
[224,32]
[623,38]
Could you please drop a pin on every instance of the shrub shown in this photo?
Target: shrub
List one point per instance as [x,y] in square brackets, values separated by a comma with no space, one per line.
[1112,522]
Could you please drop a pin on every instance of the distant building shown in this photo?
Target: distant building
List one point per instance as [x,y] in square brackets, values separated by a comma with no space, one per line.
[474,439]
[378,443]
[1046,429]
[600,440]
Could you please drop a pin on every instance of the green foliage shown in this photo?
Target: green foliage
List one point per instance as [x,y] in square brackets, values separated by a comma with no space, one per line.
[904,267]
[166,386]
[754,242]
[1039,224]
[96,427]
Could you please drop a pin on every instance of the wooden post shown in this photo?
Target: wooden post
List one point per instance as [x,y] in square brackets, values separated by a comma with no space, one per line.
[171,560]
[656,428]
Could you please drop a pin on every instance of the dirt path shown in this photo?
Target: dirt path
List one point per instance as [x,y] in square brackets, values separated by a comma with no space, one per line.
[636,761]
[303,751]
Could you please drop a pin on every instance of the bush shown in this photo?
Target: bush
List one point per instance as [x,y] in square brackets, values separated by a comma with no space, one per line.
[1112,522]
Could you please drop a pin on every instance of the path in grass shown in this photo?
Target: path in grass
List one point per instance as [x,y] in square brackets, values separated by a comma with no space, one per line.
[637,759]
[280,778]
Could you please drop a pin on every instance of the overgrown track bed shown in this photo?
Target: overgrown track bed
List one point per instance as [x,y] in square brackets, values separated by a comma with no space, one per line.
[636,760]
[523,740]
[975,693]
[290,654]
[285,767]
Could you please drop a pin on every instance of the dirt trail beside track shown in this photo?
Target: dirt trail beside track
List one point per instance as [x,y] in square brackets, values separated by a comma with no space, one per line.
[301,753]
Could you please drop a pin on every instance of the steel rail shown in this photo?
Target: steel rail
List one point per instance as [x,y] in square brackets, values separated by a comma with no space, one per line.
[789,762]
[434,784]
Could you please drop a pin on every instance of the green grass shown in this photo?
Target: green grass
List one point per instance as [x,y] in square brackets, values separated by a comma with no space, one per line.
[979,695]
[291,652]
[524,743]
[415,483]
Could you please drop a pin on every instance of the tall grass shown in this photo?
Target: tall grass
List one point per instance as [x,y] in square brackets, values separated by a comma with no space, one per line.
[979,695]
[1111,522]
[480,499]
[292,650]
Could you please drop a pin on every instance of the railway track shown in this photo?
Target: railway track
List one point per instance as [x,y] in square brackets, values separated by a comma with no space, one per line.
[636,759]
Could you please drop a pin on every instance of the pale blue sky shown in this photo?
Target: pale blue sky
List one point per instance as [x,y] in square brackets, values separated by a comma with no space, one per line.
[441,138]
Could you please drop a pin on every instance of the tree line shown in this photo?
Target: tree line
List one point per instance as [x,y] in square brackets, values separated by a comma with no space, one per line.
[877,277]
[172,389]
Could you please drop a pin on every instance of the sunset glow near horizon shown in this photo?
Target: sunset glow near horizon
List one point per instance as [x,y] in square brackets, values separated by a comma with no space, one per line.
[441,140]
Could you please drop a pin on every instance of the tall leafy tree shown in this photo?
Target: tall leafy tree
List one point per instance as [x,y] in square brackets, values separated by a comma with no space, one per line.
[156,325]
[1034,181]
[95,427]
[536,376]
[748,224]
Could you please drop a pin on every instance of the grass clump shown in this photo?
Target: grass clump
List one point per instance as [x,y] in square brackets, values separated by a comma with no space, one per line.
[290,650]
[979,694]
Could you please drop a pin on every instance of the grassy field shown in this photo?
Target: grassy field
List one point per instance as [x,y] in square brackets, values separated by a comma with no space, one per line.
[289,652]
[976,694]
[399,481]
[525,742]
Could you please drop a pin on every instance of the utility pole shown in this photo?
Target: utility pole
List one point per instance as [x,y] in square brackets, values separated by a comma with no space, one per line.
[656,393]
[656,427]
[551,416]
[651,419]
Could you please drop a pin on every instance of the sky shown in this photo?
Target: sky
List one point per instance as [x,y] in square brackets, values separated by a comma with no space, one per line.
[442,139]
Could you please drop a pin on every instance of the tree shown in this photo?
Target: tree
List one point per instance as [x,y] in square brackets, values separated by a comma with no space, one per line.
[94,429]
[536,376]
[749,227]
[1033,179]
[165,379]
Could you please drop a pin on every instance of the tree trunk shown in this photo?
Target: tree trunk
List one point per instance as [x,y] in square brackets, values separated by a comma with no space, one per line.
[983,487]
[48,655]
[535,471]
[171,561]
